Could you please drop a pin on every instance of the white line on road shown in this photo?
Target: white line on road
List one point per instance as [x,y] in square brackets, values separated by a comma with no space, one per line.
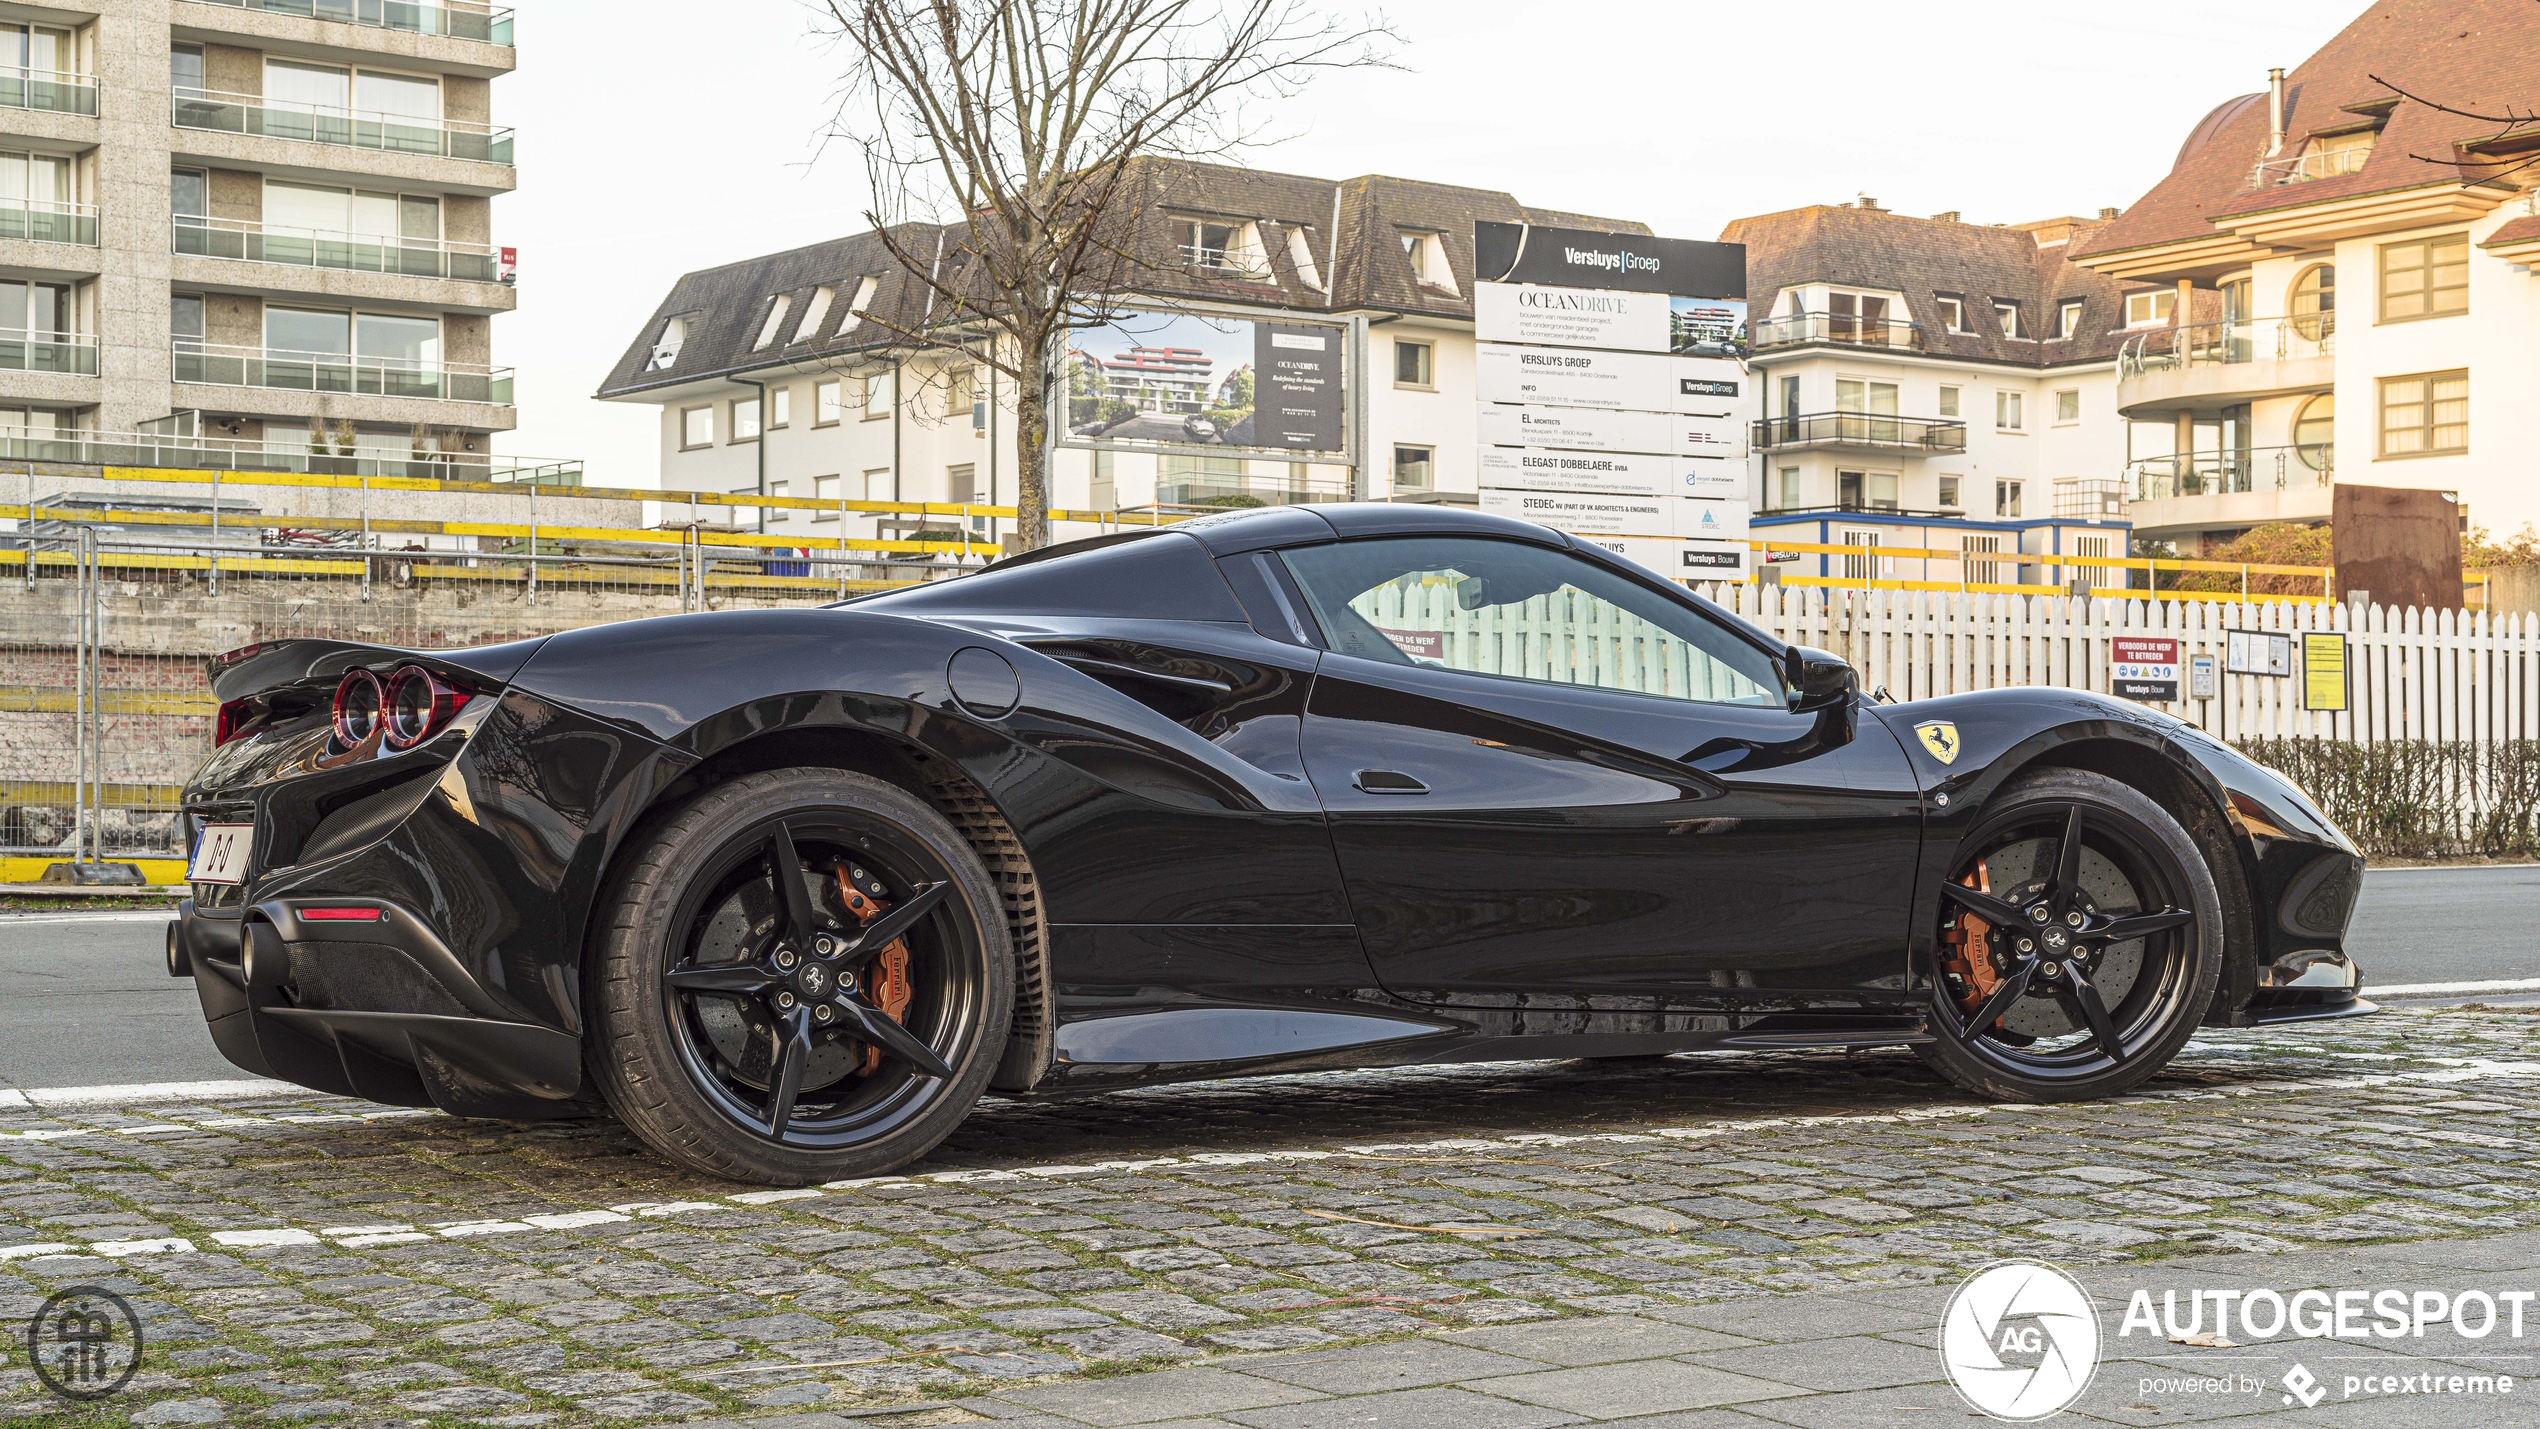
[2424,989]
[132,1092]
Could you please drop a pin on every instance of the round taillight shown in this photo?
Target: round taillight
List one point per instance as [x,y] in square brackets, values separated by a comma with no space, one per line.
[419,703]
[357,708]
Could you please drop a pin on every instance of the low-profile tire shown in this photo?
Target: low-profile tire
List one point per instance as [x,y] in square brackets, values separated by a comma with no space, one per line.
[749,1035]
[2076,890]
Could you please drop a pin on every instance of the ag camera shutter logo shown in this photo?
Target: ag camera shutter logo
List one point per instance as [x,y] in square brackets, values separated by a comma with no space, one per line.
[2020,1340]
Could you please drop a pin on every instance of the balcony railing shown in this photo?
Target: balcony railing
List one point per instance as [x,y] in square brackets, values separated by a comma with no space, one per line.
[2288,468]
[24,351]
[1222,262]
[214,365]
[2168,349]
[462,22]
[2320,164]
[1797,328]
[154,449]
[255,242]
[46,221]
[56,90]
[224,113]
[1860,429]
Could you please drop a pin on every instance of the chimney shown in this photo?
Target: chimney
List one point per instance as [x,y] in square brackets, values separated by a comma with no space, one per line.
[1950,217]
[2275,111]
[1870,205]
[2109,214]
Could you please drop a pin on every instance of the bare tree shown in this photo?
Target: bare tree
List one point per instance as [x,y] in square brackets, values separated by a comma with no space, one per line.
[1013,125]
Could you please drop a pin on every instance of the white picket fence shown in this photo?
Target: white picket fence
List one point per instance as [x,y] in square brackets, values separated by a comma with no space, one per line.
[2430,675]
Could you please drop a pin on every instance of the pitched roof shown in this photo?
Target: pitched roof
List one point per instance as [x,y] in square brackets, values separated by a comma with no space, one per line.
[2481,55]
[1927,259]
[726,306]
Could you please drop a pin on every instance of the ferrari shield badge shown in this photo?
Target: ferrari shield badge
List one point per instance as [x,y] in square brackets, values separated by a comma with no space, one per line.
[1941,738]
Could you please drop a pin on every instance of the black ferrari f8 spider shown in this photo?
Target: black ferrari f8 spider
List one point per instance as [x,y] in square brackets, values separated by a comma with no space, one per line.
[788,890]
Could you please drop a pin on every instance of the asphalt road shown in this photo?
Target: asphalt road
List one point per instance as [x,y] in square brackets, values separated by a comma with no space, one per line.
[90,1003]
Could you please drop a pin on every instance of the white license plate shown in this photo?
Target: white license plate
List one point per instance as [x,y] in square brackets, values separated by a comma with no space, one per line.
[220,856]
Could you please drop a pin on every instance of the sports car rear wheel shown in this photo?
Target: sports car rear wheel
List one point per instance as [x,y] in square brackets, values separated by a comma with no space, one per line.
[803,975]
[2080,940]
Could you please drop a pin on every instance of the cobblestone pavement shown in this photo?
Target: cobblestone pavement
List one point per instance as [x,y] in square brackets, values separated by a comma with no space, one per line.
[1266,1244]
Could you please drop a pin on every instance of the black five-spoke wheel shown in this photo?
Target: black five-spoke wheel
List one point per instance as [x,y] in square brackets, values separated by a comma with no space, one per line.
[2080,940]
[808,978]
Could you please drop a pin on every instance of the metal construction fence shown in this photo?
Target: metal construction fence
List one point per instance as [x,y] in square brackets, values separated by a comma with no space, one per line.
[119,584]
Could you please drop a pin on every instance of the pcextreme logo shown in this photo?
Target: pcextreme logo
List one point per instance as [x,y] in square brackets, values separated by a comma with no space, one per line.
[2019,1340]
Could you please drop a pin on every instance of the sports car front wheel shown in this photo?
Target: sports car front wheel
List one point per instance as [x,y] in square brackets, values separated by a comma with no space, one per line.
[800,976]
[2079,944]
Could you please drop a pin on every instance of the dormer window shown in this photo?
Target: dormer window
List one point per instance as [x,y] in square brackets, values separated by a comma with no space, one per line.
[1953,315]
[674,335]
[2068,318]
[1427,254]
[2150,309]
[775,322]
[1301,257]
[1219,249]
[2007,315]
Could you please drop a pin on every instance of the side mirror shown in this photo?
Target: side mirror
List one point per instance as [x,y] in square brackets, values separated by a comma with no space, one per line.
[1819,680]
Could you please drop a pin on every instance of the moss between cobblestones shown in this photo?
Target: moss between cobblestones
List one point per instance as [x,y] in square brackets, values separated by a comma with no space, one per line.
[1700,1178]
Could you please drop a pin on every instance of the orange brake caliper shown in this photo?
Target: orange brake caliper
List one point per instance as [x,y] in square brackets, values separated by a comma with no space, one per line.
[1966,963]
[886,976]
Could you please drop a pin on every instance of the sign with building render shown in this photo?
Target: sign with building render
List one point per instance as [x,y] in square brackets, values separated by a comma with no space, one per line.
[1612,392]
[1159,380]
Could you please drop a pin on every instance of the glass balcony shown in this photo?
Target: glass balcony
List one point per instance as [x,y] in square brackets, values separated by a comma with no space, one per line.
[254,242]
[464,22]
[2171,349]
[195,452]
[1860,429]
[1799,328]
[2227,473]
[215,365]
[224,113]
[2318,164]
[44,221]
[24,351]
[54,90]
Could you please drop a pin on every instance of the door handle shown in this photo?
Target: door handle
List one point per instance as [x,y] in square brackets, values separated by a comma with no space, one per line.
[1386,781]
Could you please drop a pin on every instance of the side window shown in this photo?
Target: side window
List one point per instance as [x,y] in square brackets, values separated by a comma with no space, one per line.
[1524,612]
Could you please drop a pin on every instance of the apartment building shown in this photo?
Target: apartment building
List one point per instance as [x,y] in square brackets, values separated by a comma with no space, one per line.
[790,369]
[263,225]
[2352,271]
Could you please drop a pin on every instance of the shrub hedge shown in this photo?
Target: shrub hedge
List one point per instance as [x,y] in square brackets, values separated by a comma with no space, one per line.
[2412,799]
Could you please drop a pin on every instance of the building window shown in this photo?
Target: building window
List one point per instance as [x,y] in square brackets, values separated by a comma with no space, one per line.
[1864,566]
[814,312]
[960,392]
[1429,267]
[961,484]
[1976,559]
[780,488]
[826,488]
[2313,304]
[2315,431]
[1411,467]
[1790,396]
[1217,248]
[2006,411]
[2068,318]
[877,484]
[745,419]
[1949,493]
[696,428]
[185,321]
[824,404]
[2008,315]
[2150,309]
[2068,405]
[1790,490]
[1865,490]
[877,396]
[780,407]
[1953,315]
[2006,500]
[1412,364]
[674,335]
[2428,278]
[1949,401]
[2425,415]
[767,330]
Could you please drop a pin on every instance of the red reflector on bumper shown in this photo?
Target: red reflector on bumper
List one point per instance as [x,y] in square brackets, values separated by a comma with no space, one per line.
[342,915]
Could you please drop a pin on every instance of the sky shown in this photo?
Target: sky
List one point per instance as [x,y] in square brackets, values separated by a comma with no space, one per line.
[648,152]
